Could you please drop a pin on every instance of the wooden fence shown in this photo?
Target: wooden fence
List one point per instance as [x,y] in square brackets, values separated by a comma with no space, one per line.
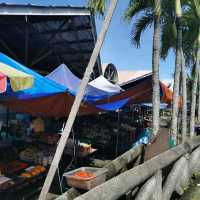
[156,179]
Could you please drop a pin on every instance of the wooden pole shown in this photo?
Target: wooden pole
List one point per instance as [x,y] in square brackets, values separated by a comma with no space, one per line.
[77,102]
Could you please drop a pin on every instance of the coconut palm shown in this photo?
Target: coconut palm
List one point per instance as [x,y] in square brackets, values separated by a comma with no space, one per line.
[155,67]
[97,6]
[150,11]
[178,62]
[144,9]
[195,9]
[169,32]
[198,115]
[190,24]
[184,94]
[134,8]
[145,14]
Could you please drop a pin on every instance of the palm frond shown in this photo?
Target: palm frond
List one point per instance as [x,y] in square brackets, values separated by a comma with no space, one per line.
[97,6]
[168,38]
[137,7]
[140,25]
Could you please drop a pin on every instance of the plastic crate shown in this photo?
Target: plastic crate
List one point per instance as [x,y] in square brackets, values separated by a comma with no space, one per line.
[86,183]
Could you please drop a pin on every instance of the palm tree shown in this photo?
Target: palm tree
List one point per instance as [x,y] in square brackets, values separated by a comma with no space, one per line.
[134,8]
[178,62]
[184,94]
[190,22]
[198,115]
[144,9]
[195,7]
[169,37]
[97,6]
[155,67]
[151,14]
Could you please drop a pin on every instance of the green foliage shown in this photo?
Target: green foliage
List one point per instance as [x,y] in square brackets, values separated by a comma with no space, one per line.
[141,14]
[141,25]
[97,6]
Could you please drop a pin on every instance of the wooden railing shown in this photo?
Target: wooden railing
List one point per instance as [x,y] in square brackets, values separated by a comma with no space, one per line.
[157,178]
[126,161]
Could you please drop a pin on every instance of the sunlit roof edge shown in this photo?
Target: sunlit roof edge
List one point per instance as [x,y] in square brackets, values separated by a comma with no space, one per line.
[29,9]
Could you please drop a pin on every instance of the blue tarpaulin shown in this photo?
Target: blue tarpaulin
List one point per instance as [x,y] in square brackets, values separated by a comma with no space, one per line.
[113,105]
[162,105]
[41,86]
[32,100]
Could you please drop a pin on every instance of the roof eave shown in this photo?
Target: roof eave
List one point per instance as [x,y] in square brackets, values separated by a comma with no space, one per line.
[12,9]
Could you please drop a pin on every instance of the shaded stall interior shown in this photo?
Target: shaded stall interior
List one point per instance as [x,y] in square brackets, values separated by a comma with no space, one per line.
[42,37]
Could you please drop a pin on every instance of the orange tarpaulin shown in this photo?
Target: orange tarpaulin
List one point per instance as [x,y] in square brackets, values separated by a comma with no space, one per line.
[60,104]
[57,105]
[141,92]
[167,94]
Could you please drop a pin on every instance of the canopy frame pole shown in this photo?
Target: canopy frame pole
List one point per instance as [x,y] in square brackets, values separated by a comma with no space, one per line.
[77,102]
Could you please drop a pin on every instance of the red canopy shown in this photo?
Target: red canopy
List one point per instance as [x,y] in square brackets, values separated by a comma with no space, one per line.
[57,105]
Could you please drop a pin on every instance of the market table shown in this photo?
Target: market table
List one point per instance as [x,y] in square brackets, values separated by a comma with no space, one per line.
[23,188]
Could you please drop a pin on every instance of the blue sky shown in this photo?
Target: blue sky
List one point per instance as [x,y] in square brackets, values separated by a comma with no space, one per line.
[117,47]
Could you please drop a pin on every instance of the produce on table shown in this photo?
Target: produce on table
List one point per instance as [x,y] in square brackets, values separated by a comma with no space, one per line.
[84,174]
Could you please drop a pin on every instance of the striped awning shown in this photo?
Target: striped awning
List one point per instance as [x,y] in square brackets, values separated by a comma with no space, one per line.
[18,79]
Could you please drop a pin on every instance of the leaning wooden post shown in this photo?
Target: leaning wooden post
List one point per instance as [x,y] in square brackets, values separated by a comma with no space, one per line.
[77,102]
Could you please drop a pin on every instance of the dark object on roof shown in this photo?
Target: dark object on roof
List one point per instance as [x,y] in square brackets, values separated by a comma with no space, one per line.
[43,37]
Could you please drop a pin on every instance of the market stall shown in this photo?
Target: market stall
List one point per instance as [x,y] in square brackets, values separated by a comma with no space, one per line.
[34,136]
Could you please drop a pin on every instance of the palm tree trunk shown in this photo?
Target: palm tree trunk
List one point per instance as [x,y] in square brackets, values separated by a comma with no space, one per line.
[194,89]
[177,72]
[77,102]
[184,93]
[155,68]
[198,116]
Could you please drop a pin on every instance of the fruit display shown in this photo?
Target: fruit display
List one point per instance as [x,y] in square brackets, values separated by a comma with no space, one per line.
[84,174]
[33,171]
[35,156]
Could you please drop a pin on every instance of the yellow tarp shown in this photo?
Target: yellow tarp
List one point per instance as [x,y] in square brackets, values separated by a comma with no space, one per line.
[18,80]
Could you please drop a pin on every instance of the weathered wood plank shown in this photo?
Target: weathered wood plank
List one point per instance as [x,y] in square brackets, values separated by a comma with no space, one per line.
[114,167]
[123,183]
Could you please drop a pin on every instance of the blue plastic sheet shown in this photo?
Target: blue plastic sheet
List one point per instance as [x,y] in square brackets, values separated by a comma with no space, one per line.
[41,87]
[113,105]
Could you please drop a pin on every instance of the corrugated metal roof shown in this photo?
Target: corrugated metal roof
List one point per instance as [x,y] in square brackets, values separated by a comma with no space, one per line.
[43,37]
[33,9]
[125,76]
